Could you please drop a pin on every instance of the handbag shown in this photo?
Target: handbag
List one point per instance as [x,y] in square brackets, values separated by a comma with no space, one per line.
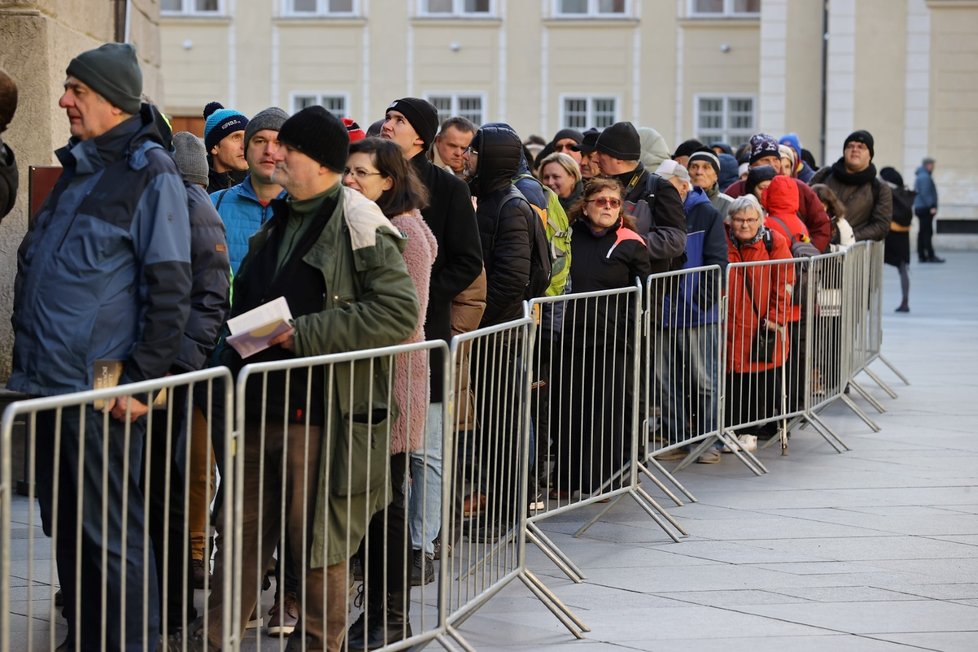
[765,341]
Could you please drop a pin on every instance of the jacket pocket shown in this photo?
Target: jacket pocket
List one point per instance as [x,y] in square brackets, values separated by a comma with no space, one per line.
[361,457]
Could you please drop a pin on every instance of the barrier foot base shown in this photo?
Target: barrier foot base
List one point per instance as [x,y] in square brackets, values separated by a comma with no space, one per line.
[640,494]
[747,458]
[859,413]
[535,536]
[458,639]
[662,486]
[879,381]
[694,454]
[650,460]
[893,369]
[566,617]
[827,434]
[866,395]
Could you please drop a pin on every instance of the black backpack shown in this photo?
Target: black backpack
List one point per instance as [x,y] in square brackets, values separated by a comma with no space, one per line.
[903,205]
[541,263]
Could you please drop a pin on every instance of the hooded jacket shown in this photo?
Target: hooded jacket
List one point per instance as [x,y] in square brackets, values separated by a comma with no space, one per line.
[104,273]
[504,218]
[780,199]
[810,210]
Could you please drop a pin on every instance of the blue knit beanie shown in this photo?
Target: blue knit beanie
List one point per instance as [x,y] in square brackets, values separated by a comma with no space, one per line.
[221,122]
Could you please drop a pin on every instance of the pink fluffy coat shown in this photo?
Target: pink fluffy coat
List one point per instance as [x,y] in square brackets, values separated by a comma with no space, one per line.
[411,390]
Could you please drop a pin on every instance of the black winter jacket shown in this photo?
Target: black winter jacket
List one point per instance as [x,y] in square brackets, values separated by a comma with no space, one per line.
[665,232]
[504,224]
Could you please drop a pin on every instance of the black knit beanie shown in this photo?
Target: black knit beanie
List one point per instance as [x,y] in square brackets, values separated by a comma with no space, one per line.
[861,136]
[318,134]
[422,115]
[757,174]
[112,71]
[620,140]
[687,147]
[573,134]
[589,140]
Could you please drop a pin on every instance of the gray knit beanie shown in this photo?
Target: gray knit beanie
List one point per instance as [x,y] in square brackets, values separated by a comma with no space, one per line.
[113,72]
[190,157]
[271,118]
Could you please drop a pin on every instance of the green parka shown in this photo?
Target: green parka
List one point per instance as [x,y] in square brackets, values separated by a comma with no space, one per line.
[370,302]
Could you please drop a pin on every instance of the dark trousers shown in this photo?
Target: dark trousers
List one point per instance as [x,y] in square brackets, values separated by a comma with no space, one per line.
[925,234]
[387,539]
[84,455]
[166,451]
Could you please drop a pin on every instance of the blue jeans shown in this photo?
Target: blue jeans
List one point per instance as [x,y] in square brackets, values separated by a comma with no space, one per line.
[424,508]
[686,369]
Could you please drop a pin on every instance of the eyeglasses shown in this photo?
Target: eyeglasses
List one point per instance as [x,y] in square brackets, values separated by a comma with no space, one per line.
[360,173]
[744,220]
[606,202]
[471,151]
[567,147]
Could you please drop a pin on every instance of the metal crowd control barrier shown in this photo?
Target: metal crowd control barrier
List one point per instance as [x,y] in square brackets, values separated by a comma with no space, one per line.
[112,492]
[684,331]
[323,457]
[585,411]
[488,489]
[764,352]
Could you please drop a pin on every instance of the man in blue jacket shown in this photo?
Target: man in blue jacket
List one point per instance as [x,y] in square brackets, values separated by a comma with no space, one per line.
[925,207]
[103,275]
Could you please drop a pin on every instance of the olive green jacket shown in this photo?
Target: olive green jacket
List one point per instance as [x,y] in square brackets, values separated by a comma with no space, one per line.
[370,303]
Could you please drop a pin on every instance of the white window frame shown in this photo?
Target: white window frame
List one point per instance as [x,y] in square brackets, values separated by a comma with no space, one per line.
[455,97]
[320,96]
[727,11]
[188,8]
[322,9]
[458,10]
[592,11]
[725,130]
[590,99]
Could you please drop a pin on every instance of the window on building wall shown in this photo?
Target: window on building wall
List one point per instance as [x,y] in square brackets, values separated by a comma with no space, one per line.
[711,8]
[321,7]
[571,8]
[728,119]
[467,105]
[456,7]
[190,7]
[335,103]
[584,112]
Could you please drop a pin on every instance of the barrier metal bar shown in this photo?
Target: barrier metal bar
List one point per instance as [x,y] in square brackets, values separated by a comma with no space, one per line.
[339,494]
[876,320]
[488,549]
[76,447]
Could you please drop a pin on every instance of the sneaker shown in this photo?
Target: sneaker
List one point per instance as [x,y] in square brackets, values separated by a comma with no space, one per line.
[746,442]
[711,456]
[200,571]
[255,621]
[673,455]
[282,618]
[419,576]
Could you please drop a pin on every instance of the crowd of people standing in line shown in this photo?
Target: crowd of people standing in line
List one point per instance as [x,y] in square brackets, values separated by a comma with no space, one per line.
[410,230]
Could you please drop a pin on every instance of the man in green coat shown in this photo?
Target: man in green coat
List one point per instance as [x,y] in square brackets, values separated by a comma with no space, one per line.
[317,442]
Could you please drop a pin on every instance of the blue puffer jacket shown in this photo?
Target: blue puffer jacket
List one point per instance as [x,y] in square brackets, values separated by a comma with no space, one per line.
[926,198]
[705,245]
[243,215]
[104,273]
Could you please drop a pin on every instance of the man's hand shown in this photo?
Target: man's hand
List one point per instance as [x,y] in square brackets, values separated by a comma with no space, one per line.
[286,339]
[117,407]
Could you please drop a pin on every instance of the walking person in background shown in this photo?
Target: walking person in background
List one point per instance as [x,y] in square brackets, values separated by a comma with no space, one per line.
[925,207]
[897,244]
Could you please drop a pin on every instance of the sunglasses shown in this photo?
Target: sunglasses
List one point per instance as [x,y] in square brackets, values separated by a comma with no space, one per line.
[606,202]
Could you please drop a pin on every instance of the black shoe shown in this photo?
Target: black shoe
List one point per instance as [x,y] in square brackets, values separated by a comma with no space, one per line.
[935,259]
[421,576]
[378,633]
[903,308]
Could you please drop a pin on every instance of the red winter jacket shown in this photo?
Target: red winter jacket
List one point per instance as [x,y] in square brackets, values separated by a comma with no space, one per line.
[810,210]
[770,286]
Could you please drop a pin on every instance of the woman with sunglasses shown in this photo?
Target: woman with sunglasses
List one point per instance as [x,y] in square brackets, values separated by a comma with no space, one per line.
[378,170]
[591,378]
